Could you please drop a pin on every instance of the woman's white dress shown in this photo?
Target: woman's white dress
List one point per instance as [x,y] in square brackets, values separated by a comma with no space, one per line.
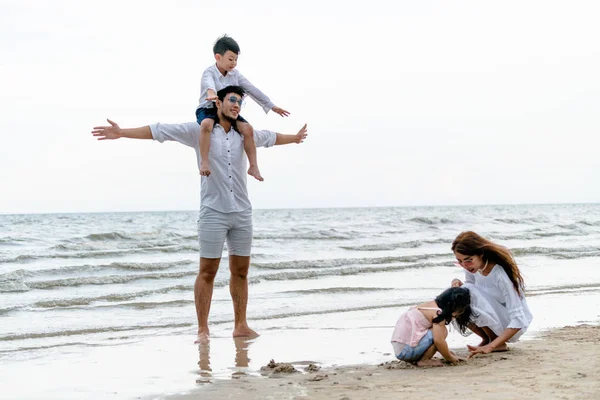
[496,303]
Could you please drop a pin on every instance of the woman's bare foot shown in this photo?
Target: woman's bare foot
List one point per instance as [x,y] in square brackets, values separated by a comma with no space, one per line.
[429,363]
[253,171]
[245,332]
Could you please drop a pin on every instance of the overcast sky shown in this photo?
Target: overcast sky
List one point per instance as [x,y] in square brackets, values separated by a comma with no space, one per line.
[407,102]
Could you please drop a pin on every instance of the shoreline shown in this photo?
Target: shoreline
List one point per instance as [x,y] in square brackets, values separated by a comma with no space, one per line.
[559,363]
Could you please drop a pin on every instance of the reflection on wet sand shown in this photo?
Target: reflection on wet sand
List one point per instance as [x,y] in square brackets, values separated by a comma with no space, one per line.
[241,361]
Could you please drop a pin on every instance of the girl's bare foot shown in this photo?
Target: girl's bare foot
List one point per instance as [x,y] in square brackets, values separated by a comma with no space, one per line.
[253,171]
[429,363]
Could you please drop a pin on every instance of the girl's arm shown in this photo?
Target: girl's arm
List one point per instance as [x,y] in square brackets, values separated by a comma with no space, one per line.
[439,340]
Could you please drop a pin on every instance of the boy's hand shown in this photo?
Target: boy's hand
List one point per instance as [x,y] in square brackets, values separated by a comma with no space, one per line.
[456,283]
[211,95]
[107,132]
[301,135]
[280,111]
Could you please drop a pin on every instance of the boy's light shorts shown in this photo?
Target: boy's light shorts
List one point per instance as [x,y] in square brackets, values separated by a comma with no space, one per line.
[214,227]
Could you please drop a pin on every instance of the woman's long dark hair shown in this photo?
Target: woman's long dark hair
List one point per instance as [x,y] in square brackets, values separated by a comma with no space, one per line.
[471,244]
[458,300]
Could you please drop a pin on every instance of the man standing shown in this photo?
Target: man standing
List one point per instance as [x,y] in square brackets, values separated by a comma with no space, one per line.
[225,209]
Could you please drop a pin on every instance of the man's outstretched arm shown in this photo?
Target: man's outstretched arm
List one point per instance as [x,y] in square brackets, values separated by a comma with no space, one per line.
[287,139]
[114,131]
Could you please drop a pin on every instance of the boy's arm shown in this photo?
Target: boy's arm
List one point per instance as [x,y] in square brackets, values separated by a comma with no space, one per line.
[114,131]
[256,95]
[208,83]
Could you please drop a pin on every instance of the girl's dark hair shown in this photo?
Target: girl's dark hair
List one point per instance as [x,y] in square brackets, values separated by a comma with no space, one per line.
[471,244]
[455,300]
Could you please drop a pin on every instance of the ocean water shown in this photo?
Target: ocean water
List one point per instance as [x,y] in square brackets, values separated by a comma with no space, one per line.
[101,304]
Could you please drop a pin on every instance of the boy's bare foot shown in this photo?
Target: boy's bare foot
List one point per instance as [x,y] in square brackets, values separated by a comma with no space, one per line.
[429,363]
[245,332]
[253,171]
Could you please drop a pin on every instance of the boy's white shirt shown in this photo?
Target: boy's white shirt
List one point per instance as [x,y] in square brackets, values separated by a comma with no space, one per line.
[213,79]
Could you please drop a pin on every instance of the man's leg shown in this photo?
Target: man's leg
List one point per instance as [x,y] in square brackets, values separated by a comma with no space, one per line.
[203,291]
[212,231]
[238,287]
[239,244]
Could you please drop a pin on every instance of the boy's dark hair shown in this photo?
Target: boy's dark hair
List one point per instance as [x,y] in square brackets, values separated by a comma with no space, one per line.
[230,89]
[225,43]
[456,299]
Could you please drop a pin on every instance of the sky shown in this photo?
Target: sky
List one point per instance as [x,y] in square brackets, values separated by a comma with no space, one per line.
[408,103]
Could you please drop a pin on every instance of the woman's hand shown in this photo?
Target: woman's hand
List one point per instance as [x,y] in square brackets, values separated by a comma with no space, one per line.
[474,350]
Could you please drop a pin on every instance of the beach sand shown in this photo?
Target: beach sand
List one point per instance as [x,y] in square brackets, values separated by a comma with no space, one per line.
[558,364]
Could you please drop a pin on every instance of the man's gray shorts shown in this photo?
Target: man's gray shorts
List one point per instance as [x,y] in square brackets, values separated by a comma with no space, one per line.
[214,227]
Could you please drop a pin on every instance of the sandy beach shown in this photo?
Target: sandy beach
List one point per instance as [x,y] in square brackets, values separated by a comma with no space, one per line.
[558,364]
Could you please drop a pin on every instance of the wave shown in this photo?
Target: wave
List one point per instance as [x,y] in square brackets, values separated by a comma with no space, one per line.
[21,274]
[340,262]
[89,280]
[384,246]
[324,234]
[431,221]
[343,290]
[84,301]
[103,253]
[314,273]
[558,252]
[90,331]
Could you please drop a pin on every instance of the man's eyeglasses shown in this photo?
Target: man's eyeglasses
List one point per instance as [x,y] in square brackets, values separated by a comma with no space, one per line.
[234,100]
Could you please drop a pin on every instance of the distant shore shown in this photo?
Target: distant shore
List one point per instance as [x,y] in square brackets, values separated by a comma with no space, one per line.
[559,364]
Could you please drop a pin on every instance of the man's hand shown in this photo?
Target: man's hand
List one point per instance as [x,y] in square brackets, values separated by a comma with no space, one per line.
[107,132]
[456,283]
[280,111]
[211,95]
[301,135]
[204,168]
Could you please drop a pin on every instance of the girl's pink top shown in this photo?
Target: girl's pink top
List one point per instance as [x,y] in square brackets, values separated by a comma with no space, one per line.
[411,327]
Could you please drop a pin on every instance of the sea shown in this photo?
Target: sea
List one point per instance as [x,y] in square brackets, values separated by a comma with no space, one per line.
[100,305]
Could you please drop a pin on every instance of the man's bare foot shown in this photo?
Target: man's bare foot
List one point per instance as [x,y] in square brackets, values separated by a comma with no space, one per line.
[245,332]
[429,363]
[203,338]
[253,171]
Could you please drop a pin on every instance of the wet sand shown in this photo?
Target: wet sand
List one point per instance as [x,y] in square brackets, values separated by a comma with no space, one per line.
[558,364]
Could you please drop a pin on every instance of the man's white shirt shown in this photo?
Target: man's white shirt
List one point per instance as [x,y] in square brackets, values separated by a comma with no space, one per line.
[225,189]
